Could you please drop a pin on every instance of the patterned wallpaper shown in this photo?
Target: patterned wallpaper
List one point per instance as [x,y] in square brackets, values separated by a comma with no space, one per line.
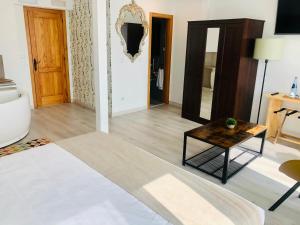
[109,71]
[82,53]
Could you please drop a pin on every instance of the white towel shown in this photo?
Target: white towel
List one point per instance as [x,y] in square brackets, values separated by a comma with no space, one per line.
[212,79]
[160,79]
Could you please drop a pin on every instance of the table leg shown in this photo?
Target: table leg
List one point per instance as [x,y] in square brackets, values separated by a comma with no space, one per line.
[225,166]
[184,150]
[263,138]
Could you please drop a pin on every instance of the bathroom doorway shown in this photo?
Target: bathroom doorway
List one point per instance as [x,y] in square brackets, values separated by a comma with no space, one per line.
[160,49]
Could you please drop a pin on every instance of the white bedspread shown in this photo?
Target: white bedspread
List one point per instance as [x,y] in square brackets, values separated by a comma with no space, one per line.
[49,186]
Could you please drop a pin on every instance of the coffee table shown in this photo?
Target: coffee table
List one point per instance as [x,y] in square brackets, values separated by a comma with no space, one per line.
[227,156]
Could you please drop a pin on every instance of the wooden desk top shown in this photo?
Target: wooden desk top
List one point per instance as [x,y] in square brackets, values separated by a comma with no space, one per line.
[284,98]
[3,80]
[216,133]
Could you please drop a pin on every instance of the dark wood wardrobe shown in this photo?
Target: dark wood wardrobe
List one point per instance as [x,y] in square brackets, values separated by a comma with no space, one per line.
[220,72]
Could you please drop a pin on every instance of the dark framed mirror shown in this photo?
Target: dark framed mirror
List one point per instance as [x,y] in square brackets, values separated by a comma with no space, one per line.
[209,72]
[132,34]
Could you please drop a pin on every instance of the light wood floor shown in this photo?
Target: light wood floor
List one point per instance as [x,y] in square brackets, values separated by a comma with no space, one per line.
[61,122]
[177,195]
[160,132]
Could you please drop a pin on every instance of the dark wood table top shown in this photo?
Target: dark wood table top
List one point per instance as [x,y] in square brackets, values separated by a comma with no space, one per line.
[217,133]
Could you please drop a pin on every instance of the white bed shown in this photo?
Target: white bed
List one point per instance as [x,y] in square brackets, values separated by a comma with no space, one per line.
[49,186]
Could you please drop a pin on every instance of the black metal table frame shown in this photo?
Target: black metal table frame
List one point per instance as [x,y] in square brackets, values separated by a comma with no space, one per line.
[226,164]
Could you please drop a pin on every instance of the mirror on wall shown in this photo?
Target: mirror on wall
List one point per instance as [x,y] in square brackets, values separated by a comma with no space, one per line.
[132,28]
[209,72]
[132,34]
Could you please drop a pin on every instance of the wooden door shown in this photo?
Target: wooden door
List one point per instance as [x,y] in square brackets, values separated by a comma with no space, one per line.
[46,37]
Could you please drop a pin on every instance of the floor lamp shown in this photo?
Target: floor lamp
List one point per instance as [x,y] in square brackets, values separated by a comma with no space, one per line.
[267,49]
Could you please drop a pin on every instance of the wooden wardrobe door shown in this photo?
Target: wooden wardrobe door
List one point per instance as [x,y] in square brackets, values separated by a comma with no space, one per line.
[195,56]
[227,74]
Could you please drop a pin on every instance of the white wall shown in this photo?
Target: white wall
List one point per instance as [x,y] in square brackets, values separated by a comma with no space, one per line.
[212,43]
[13,44]
[280,73]
[100,64]
[130,80]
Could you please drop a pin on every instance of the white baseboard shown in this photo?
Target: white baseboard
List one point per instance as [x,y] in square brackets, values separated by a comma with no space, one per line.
[115,114]
[178,105]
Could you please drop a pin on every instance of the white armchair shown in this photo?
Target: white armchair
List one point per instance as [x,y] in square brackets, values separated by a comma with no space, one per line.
[15,118]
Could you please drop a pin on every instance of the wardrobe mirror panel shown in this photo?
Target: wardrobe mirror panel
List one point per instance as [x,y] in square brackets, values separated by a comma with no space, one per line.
[208,80]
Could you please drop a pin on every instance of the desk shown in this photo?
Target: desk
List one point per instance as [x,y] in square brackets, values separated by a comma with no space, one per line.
[276,102]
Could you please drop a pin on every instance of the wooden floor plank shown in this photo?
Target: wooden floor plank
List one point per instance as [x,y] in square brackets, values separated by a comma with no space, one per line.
[61,122]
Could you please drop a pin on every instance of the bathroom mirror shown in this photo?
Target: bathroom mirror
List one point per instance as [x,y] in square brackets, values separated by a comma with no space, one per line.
[209,72]
[132,28]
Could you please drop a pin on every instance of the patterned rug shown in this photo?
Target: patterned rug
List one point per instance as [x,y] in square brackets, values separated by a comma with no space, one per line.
[23,146]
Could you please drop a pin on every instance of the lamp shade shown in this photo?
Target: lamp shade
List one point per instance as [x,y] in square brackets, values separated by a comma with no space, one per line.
[268,49]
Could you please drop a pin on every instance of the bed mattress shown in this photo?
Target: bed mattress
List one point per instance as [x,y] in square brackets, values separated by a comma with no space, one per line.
[49,186]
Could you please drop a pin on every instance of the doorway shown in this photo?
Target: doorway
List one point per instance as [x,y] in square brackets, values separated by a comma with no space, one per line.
[160,50]
[47,46]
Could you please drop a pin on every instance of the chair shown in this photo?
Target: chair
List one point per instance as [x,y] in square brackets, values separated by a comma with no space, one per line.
[15,117]
[291,169]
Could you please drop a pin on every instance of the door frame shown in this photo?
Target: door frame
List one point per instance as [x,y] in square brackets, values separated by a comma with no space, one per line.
[169,34]
[29,47]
